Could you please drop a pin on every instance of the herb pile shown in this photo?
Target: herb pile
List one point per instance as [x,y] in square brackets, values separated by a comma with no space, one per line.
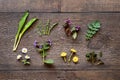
[71,31]
[42,49]
[92,29]
[45,29]
[22,28]
[93,58]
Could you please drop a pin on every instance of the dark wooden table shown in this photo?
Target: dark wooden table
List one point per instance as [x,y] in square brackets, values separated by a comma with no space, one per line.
[81,12]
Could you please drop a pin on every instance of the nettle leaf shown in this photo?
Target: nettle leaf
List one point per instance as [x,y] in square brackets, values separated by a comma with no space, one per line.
[48,61]
[92,29]
[74,35]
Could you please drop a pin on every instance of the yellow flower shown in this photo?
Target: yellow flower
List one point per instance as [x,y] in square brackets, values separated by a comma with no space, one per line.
[63,54]
[73,50]
[75,59]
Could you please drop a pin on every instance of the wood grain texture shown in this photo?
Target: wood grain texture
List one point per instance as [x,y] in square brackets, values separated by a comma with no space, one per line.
[106,40]
[60,75]
[31,5]
[90,5]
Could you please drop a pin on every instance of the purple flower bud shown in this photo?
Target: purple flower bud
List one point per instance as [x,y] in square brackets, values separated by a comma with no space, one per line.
[77,28]
[49,42]
[68,21]
[35,44]
[41,46]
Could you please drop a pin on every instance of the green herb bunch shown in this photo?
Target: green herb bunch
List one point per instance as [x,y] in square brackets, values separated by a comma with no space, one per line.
[93,58]
[22,28]
[92,29]
[42,49]
[45,29]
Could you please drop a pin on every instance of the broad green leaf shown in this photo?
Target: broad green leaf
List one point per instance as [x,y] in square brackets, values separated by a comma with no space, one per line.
[48,61]
[74,35]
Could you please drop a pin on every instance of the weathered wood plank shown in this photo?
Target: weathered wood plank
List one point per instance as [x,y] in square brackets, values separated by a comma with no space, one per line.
[60,75]
[106,40]
[33,6]
[89,6]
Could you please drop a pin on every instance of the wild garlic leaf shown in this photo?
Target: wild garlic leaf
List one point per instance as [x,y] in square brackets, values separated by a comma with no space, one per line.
[48,61]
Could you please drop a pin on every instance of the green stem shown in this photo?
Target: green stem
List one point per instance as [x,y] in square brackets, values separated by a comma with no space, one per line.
[43,56]
[15,48]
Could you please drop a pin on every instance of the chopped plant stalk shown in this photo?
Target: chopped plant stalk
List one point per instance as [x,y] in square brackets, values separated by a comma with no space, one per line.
[46,29]
[42,50]
[92,29]
[27,26]
[20,27]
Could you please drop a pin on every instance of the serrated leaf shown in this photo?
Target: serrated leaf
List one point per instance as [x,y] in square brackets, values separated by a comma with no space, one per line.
[48,61]
[91,32]
[89,35]
[96,24]
[92,27]
[74,35]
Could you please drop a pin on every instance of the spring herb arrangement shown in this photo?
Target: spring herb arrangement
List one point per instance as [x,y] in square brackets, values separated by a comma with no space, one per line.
[93,58]
[45,29]
[22,28]
[92,29]
[42,49]
[70,29]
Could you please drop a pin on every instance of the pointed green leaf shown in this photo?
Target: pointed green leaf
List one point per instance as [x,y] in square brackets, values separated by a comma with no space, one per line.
[74,35]
[48,61]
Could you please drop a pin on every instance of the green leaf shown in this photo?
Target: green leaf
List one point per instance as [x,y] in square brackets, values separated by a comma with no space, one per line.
[20,27]
[51,27]
[27,26]
[74,35]
[96,24]
[92,29]
[48,61]
[91,32]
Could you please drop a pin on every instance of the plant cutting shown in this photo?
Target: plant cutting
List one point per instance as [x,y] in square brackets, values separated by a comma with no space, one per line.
[22,28]
[42,49]
[93,28]
[92,57]
[70,29]
[45,29]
